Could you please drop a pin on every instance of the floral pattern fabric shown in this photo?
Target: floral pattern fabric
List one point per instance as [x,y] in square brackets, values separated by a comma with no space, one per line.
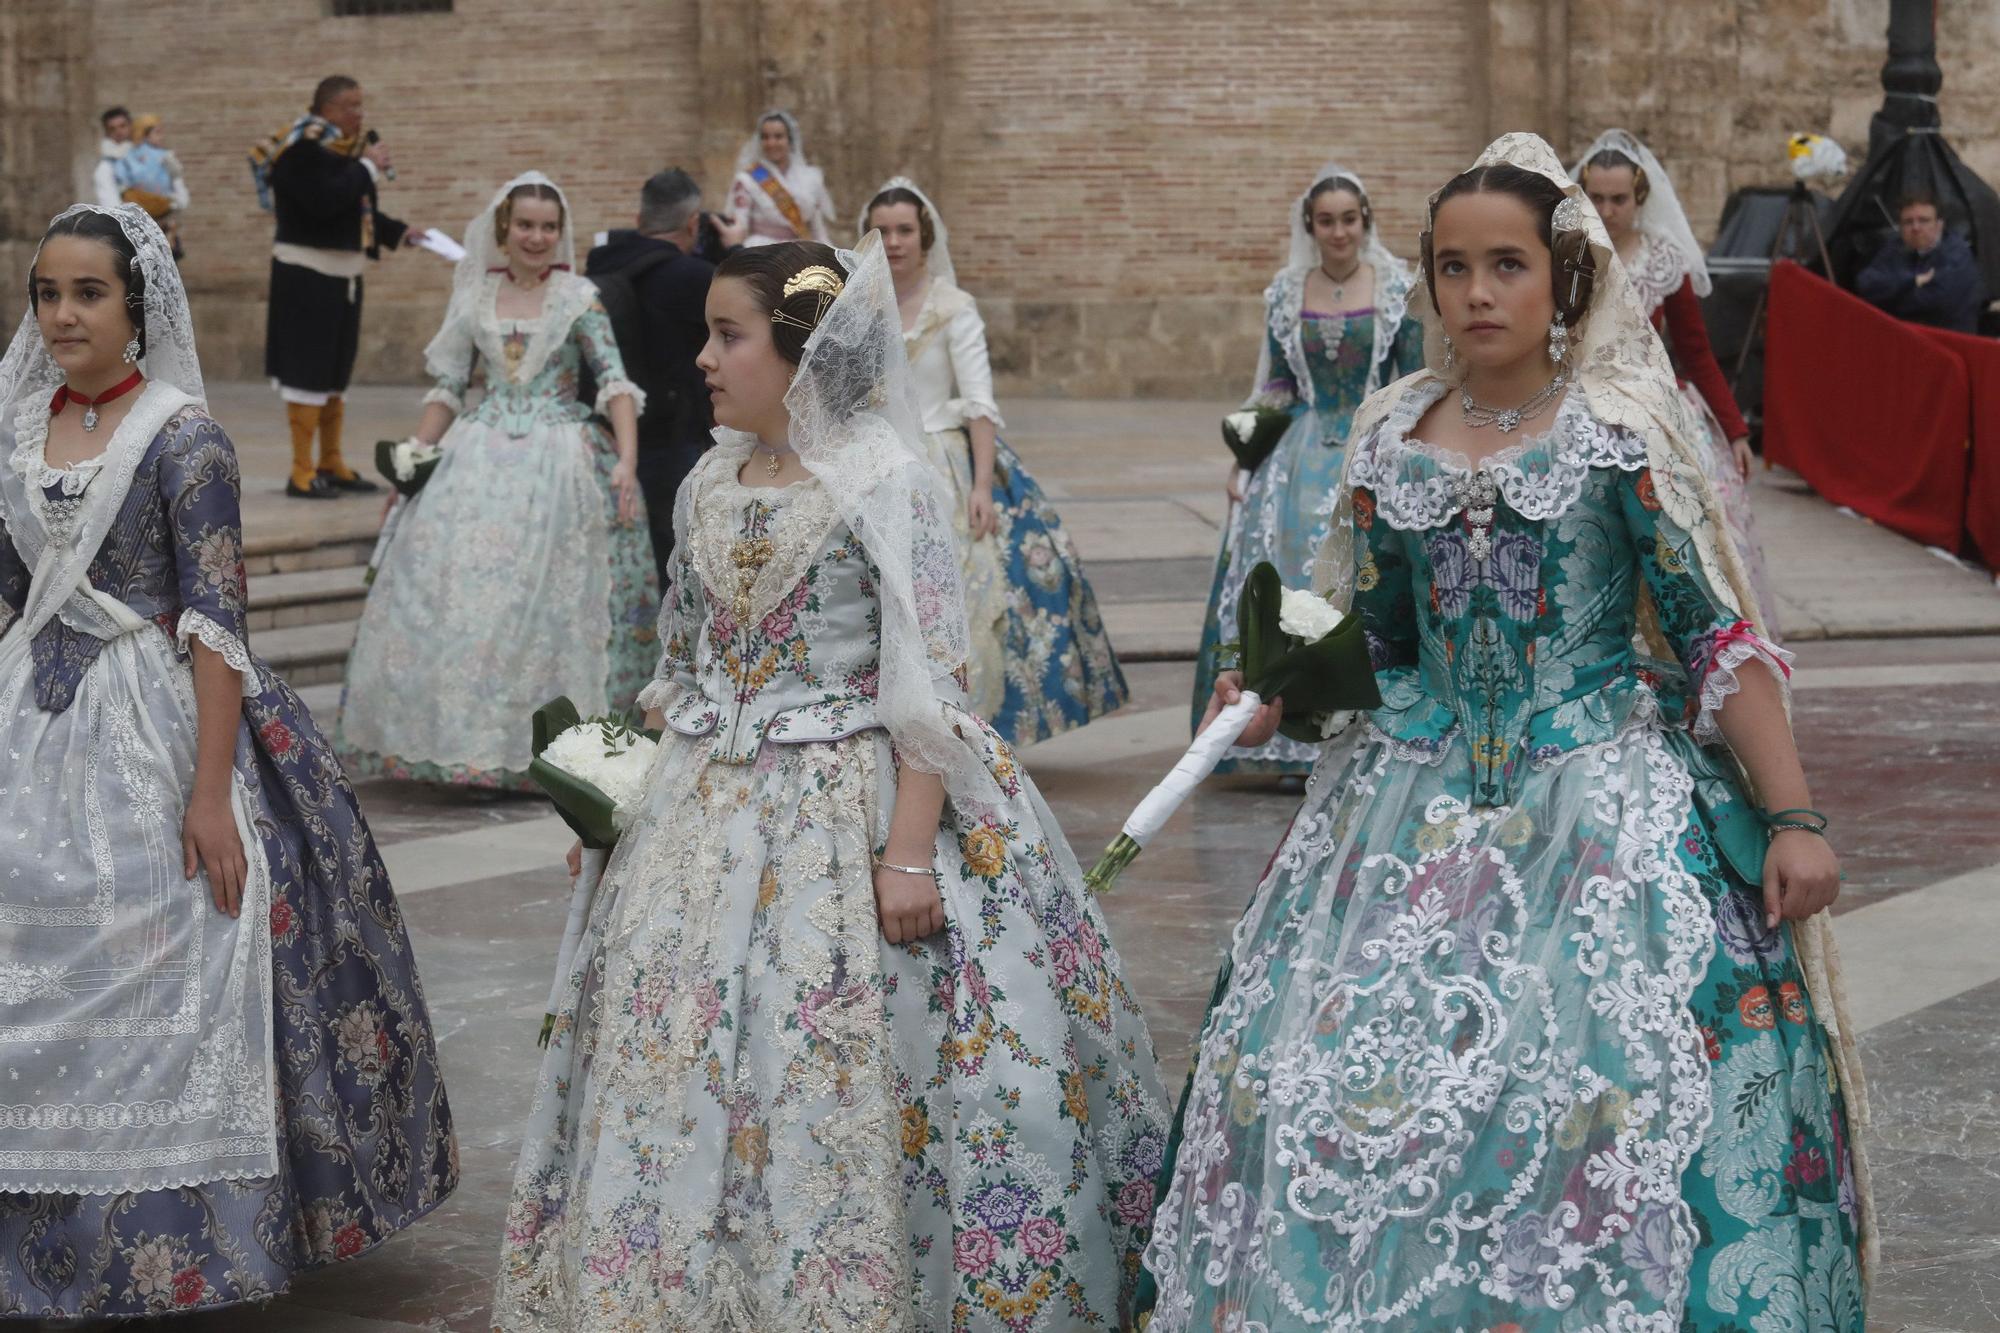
[1284,515]
[509,579]
[365,1141]
[1502,1040]
[756,1113]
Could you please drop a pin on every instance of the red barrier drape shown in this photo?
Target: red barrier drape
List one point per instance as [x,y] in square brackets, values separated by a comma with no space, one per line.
[1982,500]
[1870,411]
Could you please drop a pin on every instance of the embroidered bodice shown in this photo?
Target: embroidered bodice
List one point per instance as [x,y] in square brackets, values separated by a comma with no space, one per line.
[770,626]
[528,369]
[174,553]
[1501,601]
[1329,361]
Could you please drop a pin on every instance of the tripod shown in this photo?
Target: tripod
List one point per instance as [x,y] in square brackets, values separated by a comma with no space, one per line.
[1801,219]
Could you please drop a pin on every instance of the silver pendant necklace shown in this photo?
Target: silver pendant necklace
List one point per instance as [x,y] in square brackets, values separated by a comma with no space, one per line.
[1340,284]
[1509,419]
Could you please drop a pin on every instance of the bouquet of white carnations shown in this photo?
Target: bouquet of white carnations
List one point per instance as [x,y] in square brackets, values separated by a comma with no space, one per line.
[406,464]
[595,770]
[1291,644]
[1253,433]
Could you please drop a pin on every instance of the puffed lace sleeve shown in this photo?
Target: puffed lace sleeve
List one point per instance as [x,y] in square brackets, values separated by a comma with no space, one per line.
[594,338]
[683,612]
[451,361]
[971,369]
[202,489]
[1275,385]
[13,580]
[1711,636]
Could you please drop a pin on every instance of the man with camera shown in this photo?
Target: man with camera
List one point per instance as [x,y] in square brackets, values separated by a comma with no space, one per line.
[653,281]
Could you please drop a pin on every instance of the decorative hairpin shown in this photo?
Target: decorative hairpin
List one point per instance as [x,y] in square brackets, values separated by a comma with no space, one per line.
[816,278]
[1569,215]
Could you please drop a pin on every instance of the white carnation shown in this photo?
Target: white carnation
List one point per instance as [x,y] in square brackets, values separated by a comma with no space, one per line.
[410,455]
[614,759]
[1304,616]
[1241,424]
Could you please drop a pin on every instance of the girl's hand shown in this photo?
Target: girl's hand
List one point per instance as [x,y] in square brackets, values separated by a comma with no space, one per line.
[575,858]
[1801,876]
[1232,486]
[210,842]
[1739,452]
[625,480]
[979,513]
[1263,726]
[908,905]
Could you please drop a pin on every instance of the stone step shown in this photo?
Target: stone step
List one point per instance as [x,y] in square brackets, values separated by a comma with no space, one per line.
[307,597]
[265,559]
[1155,631]
[306,654]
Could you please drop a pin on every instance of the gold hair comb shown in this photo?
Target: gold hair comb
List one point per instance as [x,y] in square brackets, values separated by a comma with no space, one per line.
[817,278]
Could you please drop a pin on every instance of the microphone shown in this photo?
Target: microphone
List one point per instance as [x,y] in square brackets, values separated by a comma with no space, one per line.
[373,138]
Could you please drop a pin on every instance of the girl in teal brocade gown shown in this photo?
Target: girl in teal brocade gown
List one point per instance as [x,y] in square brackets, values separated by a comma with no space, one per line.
[1334,333]
[1511,1036]
[524,569]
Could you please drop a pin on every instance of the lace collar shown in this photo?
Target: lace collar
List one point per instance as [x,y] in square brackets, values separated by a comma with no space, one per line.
[563,303]
[30,459]
[1419,485]
[802,517]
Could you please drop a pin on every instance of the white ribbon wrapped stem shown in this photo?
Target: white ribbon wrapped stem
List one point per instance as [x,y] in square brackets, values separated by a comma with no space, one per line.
[594,860]
[1151,814]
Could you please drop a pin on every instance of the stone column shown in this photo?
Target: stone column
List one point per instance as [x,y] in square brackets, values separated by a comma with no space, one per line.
[47,140]
[856,73]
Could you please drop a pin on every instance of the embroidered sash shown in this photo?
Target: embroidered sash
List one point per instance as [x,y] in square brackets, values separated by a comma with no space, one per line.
[781,198]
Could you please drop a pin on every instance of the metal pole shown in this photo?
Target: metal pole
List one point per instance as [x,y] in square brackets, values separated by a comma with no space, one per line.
[1911,77]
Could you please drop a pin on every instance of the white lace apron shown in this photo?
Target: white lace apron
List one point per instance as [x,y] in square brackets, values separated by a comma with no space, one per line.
[135,1019]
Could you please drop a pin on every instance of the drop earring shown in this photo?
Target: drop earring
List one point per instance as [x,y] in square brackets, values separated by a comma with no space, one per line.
[132,351]
[1558,340]
[1450,353]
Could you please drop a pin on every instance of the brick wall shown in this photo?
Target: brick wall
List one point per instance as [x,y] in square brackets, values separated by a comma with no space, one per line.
[1115,172]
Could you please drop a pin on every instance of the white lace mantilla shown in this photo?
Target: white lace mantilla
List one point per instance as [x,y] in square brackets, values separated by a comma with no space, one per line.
[135,1019]
[1539,477]
[1657,271]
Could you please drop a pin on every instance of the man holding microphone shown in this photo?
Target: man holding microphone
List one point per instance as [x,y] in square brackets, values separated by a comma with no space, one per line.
[322,177]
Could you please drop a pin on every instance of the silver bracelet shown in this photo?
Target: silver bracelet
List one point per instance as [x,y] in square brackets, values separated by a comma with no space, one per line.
[908,870]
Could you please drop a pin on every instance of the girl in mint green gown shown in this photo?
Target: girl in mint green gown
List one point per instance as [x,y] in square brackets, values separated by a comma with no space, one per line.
[1324,351]
[1505,1039]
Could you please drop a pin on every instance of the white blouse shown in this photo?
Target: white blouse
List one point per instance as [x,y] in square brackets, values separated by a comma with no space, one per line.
[947,350]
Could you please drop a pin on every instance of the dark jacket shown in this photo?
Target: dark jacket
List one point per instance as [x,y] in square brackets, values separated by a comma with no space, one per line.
[1950,300]
[671,297]
[320,196]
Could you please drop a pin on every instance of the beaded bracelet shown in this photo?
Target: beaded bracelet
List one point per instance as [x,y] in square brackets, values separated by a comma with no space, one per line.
[1780,825]
[1772,817]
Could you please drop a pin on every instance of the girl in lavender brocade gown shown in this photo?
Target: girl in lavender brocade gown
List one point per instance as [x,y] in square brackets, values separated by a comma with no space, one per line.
[201,1100]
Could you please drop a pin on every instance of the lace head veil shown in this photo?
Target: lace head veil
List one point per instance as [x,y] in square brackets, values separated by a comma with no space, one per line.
[752,150]
[28,370]
[938,258]
[1661,216]
[450,352]
[855,427]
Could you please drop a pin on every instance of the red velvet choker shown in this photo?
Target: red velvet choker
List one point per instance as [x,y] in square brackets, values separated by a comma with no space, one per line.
[66,395]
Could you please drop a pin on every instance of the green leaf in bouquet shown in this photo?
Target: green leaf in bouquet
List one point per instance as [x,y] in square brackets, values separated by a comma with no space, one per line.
[385,463]
[551,720]
[1251,452]
[1331,675]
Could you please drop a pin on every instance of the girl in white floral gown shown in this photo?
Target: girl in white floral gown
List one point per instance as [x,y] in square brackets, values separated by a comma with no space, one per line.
[845,1044]
[524,568]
